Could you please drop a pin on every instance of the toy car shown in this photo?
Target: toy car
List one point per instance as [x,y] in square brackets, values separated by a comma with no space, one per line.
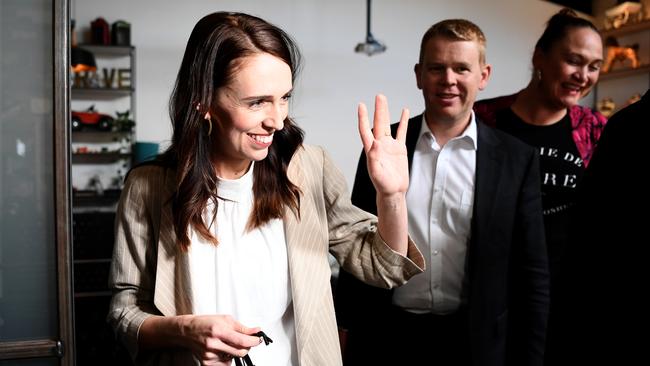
[91,118]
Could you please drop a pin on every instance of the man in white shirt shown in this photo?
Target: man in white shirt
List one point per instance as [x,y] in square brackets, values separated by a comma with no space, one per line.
[474,206]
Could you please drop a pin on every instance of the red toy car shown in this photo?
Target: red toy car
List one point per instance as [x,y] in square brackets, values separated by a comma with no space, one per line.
[91,118]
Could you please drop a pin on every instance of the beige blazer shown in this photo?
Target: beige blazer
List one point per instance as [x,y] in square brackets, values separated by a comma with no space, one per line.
[149,274]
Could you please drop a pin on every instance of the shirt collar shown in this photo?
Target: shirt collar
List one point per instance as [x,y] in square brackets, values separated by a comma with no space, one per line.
[236,189]
[469,134]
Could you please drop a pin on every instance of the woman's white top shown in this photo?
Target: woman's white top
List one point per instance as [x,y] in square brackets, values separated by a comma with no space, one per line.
[247,274]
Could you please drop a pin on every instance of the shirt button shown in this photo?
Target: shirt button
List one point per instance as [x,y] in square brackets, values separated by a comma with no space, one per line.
[435,285]
[435,252]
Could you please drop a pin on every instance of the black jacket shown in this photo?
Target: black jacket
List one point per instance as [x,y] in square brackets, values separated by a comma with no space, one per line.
[602,309]
[507,267]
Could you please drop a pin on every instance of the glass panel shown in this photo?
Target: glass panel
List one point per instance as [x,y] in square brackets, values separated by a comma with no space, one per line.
[27,239]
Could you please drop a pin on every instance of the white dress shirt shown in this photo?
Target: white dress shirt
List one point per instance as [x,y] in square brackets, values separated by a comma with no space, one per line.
[247,274]
[440,199]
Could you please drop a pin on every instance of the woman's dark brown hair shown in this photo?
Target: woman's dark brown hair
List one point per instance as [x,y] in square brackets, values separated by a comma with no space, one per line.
[558,27]
[216,44]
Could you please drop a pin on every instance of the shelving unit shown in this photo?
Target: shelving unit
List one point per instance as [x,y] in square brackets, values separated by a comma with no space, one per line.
[621,82]
[100,160]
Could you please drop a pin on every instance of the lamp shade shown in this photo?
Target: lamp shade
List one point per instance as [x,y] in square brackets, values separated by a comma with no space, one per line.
[82,60]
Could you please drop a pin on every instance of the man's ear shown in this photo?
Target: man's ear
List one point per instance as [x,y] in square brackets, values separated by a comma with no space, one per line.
[417,68]
[486,71]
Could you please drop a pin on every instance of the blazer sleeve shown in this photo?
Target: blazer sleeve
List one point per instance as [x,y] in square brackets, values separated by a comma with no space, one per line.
[132,275]
[354,240]
[356,302]
[530,277]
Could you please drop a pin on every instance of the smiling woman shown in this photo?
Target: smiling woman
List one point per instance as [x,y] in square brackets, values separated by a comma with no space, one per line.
[546,114]
[233,223]
[248,112]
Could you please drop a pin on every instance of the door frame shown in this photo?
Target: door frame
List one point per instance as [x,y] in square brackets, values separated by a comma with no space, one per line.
[63,347]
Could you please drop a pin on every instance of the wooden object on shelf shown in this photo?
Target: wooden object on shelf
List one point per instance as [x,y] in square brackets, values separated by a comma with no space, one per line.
[618,53]
[606,106]
[622,14]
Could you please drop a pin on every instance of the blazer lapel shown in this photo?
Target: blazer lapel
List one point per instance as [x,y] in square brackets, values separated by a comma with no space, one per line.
[412,134]
[173,287]
[488,174]
[299,264]
[315,327]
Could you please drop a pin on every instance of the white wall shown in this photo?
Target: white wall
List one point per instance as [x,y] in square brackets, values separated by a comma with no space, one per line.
[334,78]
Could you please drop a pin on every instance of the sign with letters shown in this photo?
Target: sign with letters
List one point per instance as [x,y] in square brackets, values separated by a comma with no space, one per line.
[109,78]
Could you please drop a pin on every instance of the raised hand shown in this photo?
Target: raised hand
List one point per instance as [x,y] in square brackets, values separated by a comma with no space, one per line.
[388,169]
[385,156]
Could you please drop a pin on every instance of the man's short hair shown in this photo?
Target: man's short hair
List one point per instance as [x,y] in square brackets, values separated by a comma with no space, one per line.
[456,30]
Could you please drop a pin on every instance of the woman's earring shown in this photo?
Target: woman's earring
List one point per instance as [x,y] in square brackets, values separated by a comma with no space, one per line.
[207,118]
[539,75]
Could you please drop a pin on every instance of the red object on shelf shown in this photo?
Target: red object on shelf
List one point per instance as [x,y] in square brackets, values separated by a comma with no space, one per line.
[91,118]
[100,32]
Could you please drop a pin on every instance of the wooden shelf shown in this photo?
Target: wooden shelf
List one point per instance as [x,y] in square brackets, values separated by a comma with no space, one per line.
[99,157]
[108,49]
[94,134]
[92,93]
[87,261]
[89,201]
[92,294]
[108,208]
[622,73]
[91,194]
[626,29]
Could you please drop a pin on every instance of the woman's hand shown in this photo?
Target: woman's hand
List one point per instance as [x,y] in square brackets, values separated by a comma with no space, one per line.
[213,339]
[386,156]
[216,339]
[388,169]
